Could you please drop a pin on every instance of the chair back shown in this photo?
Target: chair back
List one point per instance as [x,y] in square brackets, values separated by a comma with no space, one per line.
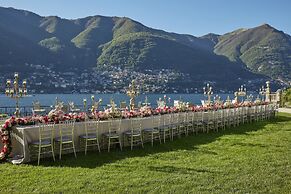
[225,114]
[219,115]
[177,118]
[46,132]
[209,115]
[183,118]
[135,124]
[198,116]
[114,125]
[236,112]
[67,128]
[168,119]
[245,110]
[252,110]
[91,127]
[191,116]
[156,121]
[230,113]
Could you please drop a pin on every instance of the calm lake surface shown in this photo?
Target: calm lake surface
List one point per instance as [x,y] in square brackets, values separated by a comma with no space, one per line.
[49,99]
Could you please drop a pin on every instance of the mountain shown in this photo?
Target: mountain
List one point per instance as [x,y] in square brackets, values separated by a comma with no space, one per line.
[263,49]
[107,52]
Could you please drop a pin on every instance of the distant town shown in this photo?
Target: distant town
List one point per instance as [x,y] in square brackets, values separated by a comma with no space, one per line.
[111,79]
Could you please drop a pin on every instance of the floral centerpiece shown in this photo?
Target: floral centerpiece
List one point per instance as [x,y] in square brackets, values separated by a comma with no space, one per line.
[58,115]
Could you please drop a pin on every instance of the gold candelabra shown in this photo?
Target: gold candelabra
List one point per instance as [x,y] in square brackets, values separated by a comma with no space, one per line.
[227,102]
[132,92]
[208,92]
[266,91]
[166,99]
[249,98]
[146,102]
[242,91]
[258,100]
[113,106]
[85,104]
[16,92]
[95,104]
[218,100]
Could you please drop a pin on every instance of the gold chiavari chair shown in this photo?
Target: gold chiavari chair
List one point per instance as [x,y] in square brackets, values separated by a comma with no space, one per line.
[190,122]
[91,136]
[166,128]
[231,117]
[183,124]
[209,120]
[65,141]
[252,113]
[134,135]
[153,133]
[175,125]
[112,137]
[44,145]
[219,119]
[199,122]
[244,115]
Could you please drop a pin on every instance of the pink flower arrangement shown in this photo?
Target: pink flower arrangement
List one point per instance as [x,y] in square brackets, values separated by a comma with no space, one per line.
[6,138]
[57,116]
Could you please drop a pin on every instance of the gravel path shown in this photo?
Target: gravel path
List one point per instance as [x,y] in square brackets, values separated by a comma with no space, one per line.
[287,110]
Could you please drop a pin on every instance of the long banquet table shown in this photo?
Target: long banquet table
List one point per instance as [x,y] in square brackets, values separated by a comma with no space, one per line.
[23,135]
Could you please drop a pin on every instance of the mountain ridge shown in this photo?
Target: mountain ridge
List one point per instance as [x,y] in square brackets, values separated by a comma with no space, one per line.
[120,42]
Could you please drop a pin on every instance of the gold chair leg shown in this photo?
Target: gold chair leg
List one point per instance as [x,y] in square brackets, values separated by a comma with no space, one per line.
[86,144]
[120,144]
[74,149]
[164,136]
[53,153]
[98,146]
[141,141]
[109,144]
[60,156]
[39,150]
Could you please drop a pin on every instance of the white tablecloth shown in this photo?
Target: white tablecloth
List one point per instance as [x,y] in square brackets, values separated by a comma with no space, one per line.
[23,135]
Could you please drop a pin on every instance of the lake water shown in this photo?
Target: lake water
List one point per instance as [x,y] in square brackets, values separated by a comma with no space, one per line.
[49,99]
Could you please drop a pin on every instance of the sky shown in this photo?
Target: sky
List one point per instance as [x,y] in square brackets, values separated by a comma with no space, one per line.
[195,17]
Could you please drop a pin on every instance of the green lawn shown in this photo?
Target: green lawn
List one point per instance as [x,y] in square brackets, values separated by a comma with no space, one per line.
[253,158]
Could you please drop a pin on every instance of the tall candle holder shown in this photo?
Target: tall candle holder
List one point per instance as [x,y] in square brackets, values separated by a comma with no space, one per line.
[146,102]
[85,104]
[265,92]
[16,92]
[249,98]
[132,92]
[217,100]
[242,92]
[227,102]
[208,92]
[95,105]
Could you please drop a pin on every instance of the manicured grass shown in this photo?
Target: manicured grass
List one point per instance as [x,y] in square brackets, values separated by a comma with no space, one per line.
[253,158]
